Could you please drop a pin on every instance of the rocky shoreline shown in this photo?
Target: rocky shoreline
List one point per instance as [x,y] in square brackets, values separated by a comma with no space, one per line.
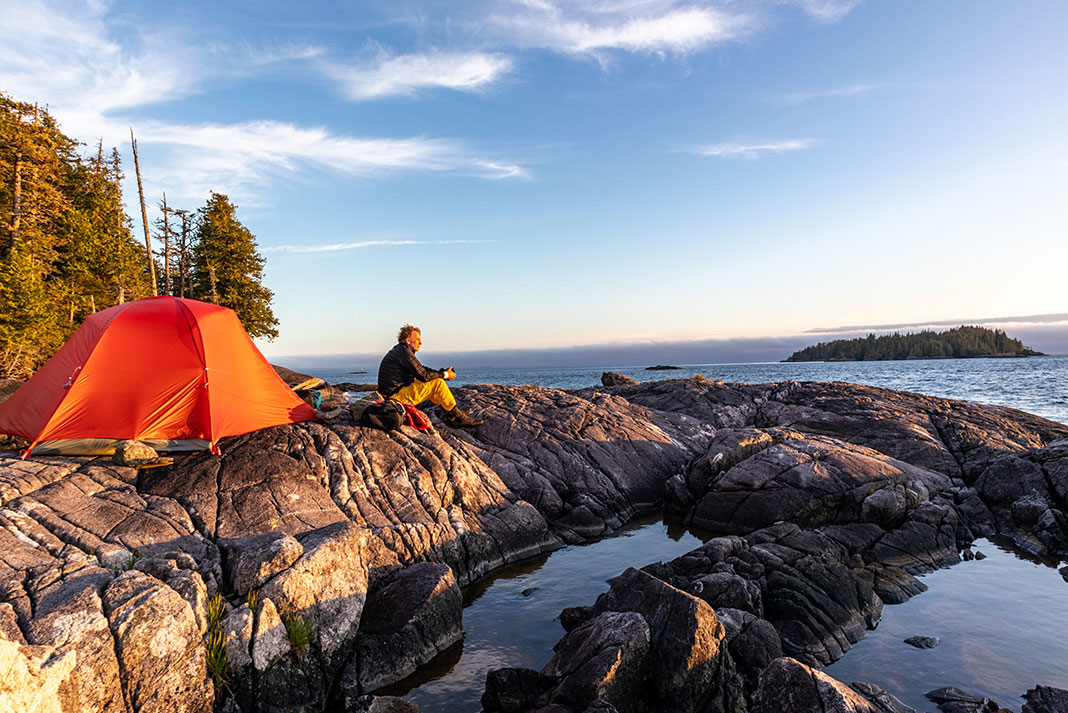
[326,560]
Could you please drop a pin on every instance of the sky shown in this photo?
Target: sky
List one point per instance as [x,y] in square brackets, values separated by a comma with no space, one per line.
[548,174]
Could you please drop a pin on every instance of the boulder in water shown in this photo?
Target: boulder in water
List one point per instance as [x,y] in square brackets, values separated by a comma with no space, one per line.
[614,378]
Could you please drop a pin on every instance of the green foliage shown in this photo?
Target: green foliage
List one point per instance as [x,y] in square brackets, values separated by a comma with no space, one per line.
[698,377]
[65,243]
[227,267]
[217,658]
[67,248]
[216,611]
[252,600]
[133,559]
[300,632]
[961,342]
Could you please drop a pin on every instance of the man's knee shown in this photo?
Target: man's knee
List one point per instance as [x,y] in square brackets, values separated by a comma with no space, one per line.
[441,395]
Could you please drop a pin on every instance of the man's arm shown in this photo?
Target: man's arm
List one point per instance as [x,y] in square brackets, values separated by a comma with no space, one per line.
[420,371]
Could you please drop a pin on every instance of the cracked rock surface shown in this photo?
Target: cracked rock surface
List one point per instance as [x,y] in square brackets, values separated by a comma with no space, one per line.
[324,526]
[291,547]
[829,498]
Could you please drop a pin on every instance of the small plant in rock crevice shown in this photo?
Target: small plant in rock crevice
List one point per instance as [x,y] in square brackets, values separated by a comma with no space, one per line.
[131,561]
[300,632]
[216,612]
[217,659]
[252,600]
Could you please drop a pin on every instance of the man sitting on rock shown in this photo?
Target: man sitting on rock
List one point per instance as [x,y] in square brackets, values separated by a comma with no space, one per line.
[401,377]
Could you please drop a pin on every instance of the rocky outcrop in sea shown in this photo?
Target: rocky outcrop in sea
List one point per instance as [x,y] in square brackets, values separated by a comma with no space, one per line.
[311,565]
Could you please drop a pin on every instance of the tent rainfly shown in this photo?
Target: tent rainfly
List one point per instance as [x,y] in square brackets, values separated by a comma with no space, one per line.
[177,374]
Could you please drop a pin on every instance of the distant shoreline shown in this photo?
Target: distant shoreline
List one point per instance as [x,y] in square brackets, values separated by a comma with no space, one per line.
[963,342]
[916,358]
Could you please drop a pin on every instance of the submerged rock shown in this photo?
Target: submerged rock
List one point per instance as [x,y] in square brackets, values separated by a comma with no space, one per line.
[883,701]
[953,700]
[922,642]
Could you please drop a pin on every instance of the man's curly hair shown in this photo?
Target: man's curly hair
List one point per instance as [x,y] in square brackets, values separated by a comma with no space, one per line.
[405,332]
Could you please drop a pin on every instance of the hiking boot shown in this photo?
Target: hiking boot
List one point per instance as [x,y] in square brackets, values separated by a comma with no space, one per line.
[458,418]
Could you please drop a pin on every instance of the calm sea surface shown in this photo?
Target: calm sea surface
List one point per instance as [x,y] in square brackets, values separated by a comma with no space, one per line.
[1036,384]
[1002,621]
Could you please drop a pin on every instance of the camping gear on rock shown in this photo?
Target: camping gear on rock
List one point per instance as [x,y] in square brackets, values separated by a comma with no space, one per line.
[176,374]
[356,408]
[385,415]
[415,418]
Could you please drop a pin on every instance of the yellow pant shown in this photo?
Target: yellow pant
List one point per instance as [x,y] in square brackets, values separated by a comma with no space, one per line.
[436,391]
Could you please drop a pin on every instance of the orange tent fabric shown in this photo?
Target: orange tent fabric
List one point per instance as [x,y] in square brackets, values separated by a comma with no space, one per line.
[161,368]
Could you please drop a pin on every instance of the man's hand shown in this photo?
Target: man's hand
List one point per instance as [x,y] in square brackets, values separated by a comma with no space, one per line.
[450,374]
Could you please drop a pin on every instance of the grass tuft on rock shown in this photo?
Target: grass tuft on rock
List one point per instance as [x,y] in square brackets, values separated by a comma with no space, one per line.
[216,612]
[217,659]
[300,632]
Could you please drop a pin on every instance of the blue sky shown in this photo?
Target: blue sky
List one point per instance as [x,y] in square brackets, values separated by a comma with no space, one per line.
[546,173]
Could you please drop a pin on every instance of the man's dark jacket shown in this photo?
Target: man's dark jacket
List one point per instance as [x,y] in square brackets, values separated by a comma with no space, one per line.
[399,368]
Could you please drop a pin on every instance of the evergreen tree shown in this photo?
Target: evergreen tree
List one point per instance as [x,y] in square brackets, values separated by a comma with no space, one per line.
[227,267]
[34,167]
[65,244]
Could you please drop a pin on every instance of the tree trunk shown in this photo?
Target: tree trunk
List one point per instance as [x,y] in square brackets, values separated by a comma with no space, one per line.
[144,217]
[16,208]
[166,247]
[183,255]
[214,294]
[119,230]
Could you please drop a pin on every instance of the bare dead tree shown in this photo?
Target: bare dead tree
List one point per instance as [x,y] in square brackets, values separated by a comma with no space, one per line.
[144,216]
[120,229]
[165,224]
[183,247]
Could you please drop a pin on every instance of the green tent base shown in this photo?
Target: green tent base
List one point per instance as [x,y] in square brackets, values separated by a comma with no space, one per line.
[106,446]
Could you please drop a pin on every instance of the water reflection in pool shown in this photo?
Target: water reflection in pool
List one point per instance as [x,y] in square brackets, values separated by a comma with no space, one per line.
[1003,626]
[1002,621]
[510,618]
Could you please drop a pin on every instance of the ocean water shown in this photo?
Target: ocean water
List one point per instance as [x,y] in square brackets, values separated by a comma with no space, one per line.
[1036,384]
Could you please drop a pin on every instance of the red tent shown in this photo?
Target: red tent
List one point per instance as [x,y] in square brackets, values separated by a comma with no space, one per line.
[176,373]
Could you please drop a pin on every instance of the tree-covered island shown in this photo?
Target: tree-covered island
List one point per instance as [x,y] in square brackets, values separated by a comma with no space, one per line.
[959,343]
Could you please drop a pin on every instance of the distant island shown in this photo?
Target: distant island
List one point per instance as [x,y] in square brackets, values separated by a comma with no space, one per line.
[960,343]
[662,367]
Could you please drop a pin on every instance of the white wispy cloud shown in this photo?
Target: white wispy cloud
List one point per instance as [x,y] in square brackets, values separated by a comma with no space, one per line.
[334,247]
[67,58]
[99,76]
[827,10]
[653,26]
[846,91]
[752,150]
[405,75]
[240,156]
